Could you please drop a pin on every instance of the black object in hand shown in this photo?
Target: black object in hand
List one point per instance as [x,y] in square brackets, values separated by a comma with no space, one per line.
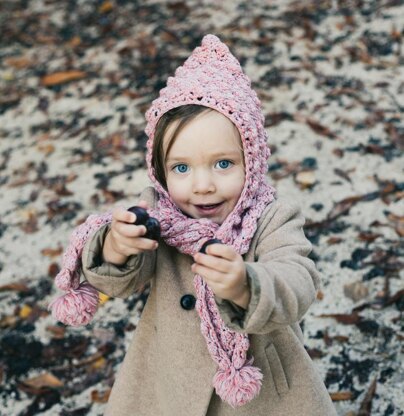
[141,215]
[142,218]
[208,243]
[153,229]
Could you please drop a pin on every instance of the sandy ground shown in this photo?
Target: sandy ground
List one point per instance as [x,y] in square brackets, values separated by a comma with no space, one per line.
[75,80]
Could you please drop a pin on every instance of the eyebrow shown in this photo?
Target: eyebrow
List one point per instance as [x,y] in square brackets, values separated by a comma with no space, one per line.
[232,154]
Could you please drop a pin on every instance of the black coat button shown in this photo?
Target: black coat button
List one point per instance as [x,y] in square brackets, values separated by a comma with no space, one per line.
[188,302]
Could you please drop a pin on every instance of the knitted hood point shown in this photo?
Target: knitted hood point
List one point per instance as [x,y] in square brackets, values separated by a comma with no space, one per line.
[211,77]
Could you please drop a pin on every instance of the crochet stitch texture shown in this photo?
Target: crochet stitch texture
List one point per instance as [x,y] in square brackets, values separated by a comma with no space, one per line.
[211,77]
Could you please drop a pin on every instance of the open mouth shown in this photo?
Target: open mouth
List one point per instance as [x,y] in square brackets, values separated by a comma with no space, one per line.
[208,209]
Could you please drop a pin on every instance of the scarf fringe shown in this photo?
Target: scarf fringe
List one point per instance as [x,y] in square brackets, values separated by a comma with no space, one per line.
[76,307]
[238,386]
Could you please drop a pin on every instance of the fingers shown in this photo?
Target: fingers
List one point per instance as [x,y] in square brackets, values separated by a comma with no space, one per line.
[130,246]
[208,273]
[212,262]
[129,230]
[122,215]
[222,250]
[126,237]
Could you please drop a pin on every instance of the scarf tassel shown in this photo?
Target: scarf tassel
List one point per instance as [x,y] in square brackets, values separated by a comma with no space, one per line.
[238,386]
[76,307]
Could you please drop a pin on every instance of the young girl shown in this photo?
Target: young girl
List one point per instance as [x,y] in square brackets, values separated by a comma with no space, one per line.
[219,334]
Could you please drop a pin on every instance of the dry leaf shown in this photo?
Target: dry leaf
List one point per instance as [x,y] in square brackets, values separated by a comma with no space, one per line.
[338,152]
[99,363]
[344,173]
[28,213]
[52,252]
[394,298]
[61,190]
[343,207]
[62,77]
[315,353]
[320,129]
[366,405]
[103,298]
[30,226]
[18,62]
[315,126]
[368,236]
[75,41]
[112,196]
[25,311]
[53,270]
[43,380]
[341,395]
[398,223]
[98,397]
[18,287]
[287,169]
[106,7]
[46,39]
[346,319]
[340,338]
[58,332]
[19,182]
[131,94]
[47,149]
[306,178]
[356,291]
[71,177]
[8,321]
[334,240]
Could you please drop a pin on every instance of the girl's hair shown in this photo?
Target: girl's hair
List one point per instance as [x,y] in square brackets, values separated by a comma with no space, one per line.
[185,114]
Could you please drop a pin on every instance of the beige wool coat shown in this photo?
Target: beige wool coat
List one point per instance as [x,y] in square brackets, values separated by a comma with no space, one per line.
[168,370]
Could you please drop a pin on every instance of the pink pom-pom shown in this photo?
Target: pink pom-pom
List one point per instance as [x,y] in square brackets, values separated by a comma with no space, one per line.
[238,386]
[77,307]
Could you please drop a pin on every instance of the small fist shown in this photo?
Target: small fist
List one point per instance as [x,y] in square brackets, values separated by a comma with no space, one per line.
[132,232]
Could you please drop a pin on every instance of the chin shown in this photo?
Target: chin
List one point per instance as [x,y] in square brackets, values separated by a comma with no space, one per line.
[218,221]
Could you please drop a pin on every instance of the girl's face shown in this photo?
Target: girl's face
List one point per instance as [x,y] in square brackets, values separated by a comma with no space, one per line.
[205,166]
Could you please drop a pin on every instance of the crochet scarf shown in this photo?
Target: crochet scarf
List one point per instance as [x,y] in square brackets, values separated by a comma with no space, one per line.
[211,77]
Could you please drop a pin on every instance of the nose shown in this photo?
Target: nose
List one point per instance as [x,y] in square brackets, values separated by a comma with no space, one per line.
[203,182]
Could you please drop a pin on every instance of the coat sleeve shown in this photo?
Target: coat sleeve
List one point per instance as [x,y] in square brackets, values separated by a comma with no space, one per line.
[117,281]
[282,279]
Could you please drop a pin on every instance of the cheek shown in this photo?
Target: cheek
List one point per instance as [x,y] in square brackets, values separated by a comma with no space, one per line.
[236,192]
[176,189]
[236,185]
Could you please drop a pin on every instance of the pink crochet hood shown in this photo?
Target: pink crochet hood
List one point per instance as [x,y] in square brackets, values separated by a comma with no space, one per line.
[211,77]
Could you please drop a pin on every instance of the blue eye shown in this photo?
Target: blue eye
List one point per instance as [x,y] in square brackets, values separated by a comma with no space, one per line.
[224,164]
[181,168]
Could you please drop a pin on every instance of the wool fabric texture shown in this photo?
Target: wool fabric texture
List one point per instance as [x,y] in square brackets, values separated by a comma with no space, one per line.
[211,77]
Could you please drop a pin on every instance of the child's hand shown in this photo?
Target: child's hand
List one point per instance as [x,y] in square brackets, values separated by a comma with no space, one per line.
[224,271]
[125,238]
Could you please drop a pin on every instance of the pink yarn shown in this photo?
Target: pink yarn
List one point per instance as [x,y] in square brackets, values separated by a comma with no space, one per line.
[79,304]
[77,307]
[64,279]
[211,77]
[238,386]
